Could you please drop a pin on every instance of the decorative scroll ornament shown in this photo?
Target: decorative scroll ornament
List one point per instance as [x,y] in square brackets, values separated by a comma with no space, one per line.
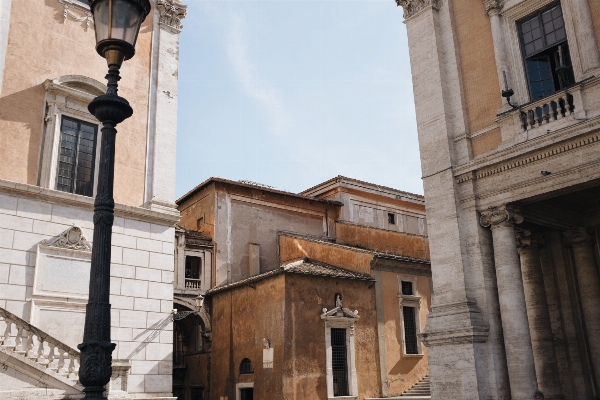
[529,240]
[497,215]
[412,7]
[577,237]
[493,5]
[76,5]
[72,239]
[339,312]
[171,13]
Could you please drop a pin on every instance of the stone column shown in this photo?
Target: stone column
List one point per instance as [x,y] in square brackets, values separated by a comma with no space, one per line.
[493,8]
[588,282]
[537,312]
[511,296]
[586,41]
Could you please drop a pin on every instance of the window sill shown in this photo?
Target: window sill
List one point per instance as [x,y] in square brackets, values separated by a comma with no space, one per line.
[343,397]
[413,355]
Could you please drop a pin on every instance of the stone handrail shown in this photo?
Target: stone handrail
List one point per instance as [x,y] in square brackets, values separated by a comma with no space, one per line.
[192,283]
[546,110]
[39,346]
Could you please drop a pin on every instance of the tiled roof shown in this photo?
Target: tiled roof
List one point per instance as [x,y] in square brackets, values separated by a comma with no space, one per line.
[304,266]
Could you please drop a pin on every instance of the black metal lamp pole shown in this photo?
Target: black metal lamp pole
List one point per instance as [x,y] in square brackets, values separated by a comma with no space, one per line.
[117,23]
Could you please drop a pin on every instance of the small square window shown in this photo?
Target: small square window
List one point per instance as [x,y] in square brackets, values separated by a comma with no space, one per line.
[391,219]
[407,288]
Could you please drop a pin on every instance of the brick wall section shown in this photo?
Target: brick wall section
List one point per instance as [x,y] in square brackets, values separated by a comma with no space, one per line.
[477,62]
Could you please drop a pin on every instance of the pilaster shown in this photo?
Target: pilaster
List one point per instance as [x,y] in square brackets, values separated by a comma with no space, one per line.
[162,115]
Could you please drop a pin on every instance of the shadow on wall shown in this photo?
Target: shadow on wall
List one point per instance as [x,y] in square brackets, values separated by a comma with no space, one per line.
[20,108]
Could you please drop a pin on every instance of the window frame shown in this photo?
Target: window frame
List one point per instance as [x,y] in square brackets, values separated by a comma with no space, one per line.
[95,155]
[414,301]
[66,96]
[538,15]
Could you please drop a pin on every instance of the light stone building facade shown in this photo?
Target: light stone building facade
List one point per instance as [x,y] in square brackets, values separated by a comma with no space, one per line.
[507,98]
[49,72]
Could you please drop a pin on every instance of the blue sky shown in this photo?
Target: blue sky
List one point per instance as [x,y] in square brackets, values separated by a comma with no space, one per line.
[292,93]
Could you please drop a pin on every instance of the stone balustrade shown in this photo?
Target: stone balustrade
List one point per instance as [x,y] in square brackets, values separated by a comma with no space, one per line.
[33,343]
[192,283]
[547,110]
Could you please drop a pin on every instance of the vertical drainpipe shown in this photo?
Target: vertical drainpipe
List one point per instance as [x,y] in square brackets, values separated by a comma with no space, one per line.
[385,390]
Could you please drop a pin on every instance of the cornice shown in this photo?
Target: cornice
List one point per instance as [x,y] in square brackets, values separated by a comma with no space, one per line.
[415,7]
[84,202]
[525,8]
[525,153]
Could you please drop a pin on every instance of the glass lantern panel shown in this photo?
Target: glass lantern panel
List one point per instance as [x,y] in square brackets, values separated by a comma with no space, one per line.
[101,20]
[126,21]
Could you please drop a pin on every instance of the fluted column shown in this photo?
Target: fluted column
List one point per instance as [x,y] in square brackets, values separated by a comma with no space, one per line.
[588,282]
[538,315]
[511,296]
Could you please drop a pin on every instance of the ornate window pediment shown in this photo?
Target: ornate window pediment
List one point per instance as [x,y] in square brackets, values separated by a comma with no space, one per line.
[72,239]
[78,11]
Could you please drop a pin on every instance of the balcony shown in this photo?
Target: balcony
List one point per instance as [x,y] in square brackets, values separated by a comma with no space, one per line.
[552,113]
[192,283]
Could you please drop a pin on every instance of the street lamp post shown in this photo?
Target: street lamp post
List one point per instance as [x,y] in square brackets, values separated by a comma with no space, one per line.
[117,24]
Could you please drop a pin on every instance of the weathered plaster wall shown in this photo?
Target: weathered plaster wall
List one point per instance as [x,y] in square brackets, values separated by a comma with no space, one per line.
[382,240]
[477,61]
[200,205]
[403,371]
[238,332]
[41,46]
[291,248]
[305,335]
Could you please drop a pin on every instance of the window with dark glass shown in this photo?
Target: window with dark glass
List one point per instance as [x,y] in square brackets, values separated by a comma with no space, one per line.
[246,367]
[76,157]
[410,330]
[391,218]
[407,288]
[339,362]
[546,52]
[192,267]
[247,394]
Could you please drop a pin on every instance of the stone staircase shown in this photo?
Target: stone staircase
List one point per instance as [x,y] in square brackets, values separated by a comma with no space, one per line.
[34,364]
[420,390]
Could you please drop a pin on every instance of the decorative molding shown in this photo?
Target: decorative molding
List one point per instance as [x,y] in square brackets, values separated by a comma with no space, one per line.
[171,13]
[497,215]
[529,240]
[413,7]
[525,8]
[577,237]
[493,6]
[72,239]
[531,158]
[69,5]
[341,314]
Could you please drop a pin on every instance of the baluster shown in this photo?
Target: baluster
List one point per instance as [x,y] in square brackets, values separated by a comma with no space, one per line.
[561,108]
[51,355]
[531,118]
[553,110]
[40,352]
[19,338]
[72,374]
[61,361]
[29,346]
[7,332]
[546,110]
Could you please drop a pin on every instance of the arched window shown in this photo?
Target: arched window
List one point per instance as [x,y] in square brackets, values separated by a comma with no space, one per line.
[246,366]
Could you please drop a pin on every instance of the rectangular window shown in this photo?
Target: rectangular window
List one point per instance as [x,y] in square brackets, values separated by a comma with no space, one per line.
[391,219]
[247,394]
[407,288]
[76,158]
[192,272]
[546,52]
[410,330]
[339,362]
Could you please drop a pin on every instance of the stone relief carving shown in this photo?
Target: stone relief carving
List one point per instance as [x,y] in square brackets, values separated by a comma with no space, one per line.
[493,5]
[171,13]
[496,215]
[412,7]
[266,343]
[72,239]
[577,237]
[81,8]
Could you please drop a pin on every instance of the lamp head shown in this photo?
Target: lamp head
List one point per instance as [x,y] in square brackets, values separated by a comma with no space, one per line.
[117,24]
[199,301]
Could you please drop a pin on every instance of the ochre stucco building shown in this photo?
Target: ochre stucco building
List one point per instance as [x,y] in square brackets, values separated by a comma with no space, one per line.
[507,96]
[307,296]
[49,157]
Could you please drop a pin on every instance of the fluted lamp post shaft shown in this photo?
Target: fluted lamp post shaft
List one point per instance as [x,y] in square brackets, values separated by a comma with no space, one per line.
[117,24]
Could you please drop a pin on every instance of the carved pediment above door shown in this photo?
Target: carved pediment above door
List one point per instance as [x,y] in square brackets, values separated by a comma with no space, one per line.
[72,239]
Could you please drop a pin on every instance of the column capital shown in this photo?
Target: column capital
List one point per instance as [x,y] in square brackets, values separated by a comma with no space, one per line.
[529,240]
[493,7]
[171,13]
[412,7]
[576,237]
[497,215]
